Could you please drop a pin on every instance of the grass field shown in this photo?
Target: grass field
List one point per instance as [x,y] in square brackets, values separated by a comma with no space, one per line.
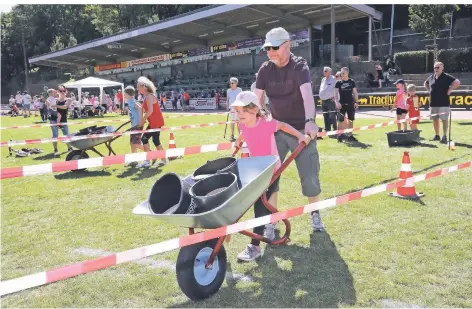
[376,252]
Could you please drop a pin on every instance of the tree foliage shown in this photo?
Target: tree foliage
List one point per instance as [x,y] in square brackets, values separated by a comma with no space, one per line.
[430,19]
[49,28]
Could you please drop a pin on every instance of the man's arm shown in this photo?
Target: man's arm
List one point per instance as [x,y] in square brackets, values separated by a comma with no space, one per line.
[260,95]
[456,83]
[308,100]
[426,84]
[356,97]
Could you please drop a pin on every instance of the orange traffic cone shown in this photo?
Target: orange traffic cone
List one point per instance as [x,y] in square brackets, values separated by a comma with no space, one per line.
[408,191]
[244,151]
[172,146]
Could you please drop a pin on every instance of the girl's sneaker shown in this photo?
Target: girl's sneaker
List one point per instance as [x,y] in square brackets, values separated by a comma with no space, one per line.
[250,253]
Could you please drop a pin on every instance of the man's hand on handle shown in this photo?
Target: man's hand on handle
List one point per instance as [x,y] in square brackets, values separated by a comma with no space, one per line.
[311,129]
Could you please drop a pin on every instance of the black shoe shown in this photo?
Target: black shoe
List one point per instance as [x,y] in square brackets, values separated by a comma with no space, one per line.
[444,140]
[232,139]
[435,138]
[340,139]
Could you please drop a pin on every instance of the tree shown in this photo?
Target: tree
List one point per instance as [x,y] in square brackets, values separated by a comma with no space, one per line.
[57,44]
[431,19]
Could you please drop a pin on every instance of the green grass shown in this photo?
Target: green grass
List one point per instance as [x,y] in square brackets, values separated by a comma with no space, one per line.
[376,251]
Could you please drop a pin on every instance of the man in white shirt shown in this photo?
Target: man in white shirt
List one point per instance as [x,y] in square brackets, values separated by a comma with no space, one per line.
[326,94]
[27,103]
[231,95]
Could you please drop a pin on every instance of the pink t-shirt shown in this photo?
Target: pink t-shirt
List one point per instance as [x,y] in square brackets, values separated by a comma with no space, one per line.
[260,138]
[400,99]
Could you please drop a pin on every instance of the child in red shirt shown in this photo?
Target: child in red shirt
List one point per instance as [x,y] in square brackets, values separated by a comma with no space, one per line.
[413,106]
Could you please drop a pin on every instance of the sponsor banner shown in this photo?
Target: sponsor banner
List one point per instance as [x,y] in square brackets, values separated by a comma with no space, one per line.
[143,67]
[178,55]
[198,51]
[250,43]
[158,58]
[125,64]
[198,58]
[203,103]
[458,99]
[107,67]
[299,35]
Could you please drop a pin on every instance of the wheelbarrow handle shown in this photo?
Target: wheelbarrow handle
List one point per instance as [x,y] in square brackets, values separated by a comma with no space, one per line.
[236,149]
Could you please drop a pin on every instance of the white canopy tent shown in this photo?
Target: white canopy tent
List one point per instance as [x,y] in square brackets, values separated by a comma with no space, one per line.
[93,82]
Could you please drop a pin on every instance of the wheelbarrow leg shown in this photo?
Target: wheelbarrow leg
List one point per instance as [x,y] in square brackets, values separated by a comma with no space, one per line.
[288,228]
[217,248]
[110,150]
[96,151]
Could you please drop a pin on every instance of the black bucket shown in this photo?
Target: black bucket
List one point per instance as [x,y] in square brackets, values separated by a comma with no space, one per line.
[169,195]
[403,138]
[212,192]
[221,165]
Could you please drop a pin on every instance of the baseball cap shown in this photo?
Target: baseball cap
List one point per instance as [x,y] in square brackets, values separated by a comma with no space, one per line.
[245,98]
[399,81]
[276,37]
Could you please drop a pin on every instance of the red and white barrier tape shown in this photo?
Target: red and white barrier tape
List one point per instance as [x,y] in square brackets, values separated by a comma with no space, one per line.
[54,167]
[98,121]
[46,277]
[92,136]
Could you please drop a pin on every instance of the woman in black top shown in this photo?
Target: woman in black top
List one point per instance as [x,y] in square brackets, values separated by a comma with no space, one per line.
[59,115]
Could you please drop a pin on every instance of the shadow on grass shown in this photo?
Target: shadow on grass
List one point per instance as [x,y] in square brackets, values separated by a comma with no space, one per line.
[313,277]
[81,174]
[465,123]
[140,173]
[45,157]
[463,145]
[357,144]
[424,145]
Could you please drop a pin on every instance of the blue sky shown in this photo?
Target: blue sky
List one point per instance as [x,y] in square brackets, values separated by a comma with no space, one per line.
[5,8]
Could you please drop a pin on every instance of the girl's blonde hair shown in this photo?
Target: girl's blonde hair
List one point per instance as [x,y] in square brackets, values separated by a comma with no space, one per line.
[411,87]
[260,113]
[146,83]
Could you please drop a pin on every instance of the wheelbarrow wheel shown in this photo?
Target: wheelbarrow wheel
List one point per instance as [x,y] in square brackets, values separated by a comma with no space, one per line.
[194,279]
[77,155]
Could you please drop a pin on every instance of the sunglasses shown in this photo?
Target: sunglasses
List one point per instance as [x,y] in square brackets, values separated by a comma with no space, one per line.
[62,91]
[437,68]
[267,48]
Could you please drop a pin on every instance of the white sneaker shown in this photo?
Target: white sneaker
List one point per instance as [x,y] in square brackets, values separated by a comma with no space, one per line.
[145,164]
[250,253]
[56,153]
[162,162]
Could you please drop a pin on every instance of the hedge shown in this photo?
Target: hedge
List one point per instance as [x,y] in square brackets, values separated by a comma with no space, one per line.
[456,60]
[414,61]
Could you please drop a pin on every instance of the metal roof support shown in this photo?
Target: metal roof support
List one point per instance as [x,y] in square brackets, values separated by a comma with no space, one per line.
[280,14]
[147,45]
[370,39]
[367,10]
[333,37]
[190,39]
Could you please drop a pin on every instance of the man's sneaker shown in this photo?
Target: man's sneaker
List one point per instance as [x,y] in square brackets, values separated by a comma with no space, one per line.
[250,253]
[435,138]
[340,138]
[145,163]
[269,232]
[444,140]
[316,223]
[56,153]
[232,139]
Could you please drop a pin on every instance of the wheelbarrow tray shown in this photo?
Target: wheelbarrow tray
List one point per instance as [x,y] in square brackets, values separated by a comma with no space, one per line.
[255,173]
[84,144]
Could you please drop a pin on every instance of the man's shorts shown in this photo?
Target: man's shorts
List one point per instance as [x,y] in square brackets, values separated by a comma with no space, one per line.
[233,116]
[349,110]
[26,107]
[135,139]
[438,110]
[308,162]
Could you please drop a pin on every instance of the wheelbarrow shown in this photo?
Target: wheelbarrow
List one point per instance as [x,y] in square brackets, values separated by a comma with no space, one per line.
[201,268]
[83,145]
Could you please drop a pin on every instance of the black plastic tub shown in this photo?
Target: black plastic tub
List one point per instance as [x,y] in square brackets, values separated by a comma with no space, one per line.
[212,192]
[403,138]
[169,195]
[221,165]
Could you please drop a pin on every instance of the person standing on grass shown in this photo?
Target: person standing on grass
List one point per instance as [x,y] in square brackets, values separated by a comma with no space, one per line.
[27,103]
[153,116]
[19,101]
[346,102]
[135,115]
[58,113]
[400,103]
[413,106]
[258,129]
[440,85]
[231,95]
[327,98]
[286,80]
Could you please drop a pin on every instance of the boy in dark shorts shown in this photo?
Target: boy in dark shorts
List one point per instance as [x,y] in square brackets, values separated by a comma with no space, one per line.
[135,115]
[346,102]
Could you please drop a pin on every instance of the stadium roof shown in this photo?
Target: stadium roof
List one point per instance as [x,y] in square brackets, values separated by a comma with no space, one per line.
[208,26]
